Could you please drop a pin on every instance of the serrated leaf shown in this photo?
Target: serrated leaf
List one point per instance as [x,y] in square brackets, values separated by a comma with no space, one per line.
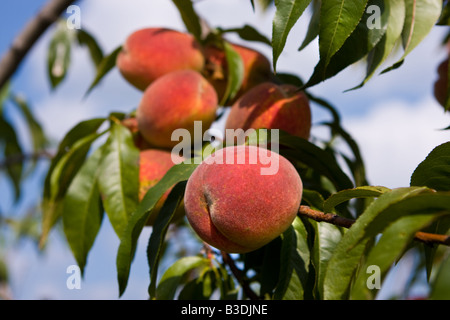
[345,195]
[133,229]
[37,135]
[172,277]
[189,16]
[294,268]
[384,48]
[420,17]
[58,55]
[348,252]
[316,158]
[444,19]
[86,39]
[235,72]
[356,165]
[249,33]
[338,19]
[119,177]
[104,67]
[286,15]
[313,27]
[326,238]
[65,164]
[83,212]
[434,171]
[11,149]
[440,285]
[357,45]
[391,246]
[159,231]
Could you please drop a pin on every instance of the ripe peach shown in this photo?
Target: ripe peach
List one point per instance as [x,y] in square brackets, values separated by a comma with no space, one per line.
[153,165]
[233,207]
[175,101]
[272,106]
[149,53]
[440,86]
[257,69]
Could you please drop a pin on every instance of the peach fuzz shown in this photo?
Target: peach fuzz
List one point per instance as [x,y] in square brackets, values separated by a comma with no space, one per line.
[150,53]
[234,208]
[175,101]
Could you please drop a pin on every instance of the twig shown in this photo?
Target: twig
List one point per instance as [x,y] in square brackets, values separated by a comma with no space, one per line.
[427,238]
[21,157]
[34,29]
[239,276]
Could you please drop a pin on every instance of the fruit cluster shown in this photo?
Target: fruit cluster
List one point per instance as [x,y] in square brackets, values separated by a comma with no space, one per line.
[232,207]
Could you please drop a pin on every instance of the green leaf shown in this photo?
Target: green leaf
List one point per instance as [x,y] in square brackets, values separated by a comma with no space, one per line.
[286,15]
[119,177]
[190,18]
[326,238]
[107,64]
[357,45]
[294,268]
[160,227]
[65,164]
[37,134]
[235,72]
[249,33]
[384,48]
[270,267]
[444,19]
[434,171]
[356,165]
[58,59]
[83,211]
[338,19]
[12,149]
[345,195]
[316,158]
[313,27]
[133,229]
[172,278]
[86,39]
[348,252]
[440,285]
[420,17]
[392,244]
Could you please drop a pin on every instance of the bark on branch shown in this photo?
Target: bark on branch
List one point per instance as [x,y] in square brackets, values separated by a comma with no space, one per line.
[32,31]
[427,238]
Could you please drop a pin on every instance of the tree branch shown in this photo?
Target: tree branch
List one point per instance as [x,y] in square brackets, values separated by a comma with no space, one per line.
[239,276]
[21,157]
[427,238]
[32,31]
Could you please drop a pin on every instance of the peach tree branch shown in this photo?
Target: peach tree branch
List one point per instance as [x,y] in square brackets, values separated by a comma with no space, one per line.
[32,31]
[427,238]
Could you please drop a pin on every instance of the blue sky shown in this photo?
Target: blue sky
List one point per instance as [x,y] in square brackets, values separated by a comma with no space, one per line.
[394,118]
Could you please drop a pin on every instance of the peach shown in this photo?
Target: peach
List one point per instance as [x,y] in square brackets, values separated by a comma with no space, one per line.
[257,69]
[440,86]
[150,53]
[272,106]
[153,165]
[175,101]
[236,209]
